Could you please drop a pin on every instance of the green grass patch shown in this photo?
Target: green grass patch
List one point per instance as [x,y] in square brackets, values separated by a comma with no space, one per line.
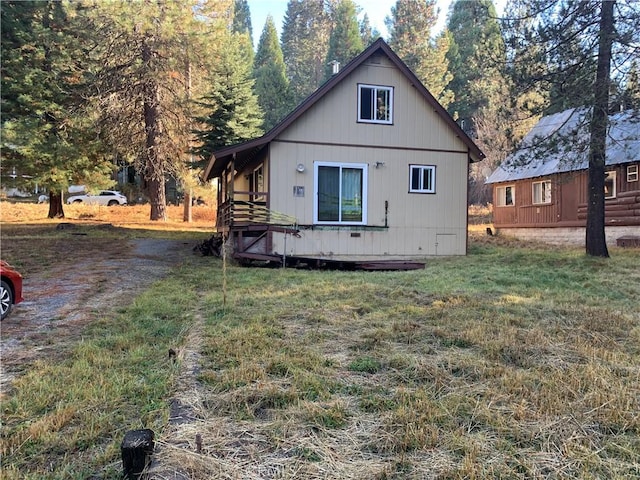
[321,416]
[473,358]
[512,362]
[365,365]
[65,419]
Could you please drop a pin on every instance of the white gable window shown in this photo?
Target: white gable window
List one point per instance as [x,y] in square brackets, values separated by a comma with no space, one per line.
[610,184]
[375,104]
[541,192]
[632,173]
[422,179]
[506,196]
[340,193]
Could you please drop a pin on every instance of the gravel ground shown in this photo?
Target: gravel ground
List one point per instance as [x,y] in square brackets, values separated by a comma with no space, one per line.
[69,296]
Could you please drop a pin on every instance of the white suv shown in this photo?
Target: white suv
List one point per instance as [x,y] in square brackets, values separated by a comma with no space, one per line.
[105,197]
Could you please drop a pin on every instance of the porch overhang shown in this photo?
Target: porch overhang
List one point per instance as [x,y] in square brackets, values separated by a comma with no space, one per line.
[244,154]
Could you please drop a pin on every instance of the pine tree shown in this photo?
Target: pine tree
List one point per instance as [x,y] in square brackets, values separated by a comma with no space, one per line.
[596,241]
[345,41]
[476,59]
[242,24]
[305,42]
[48,137]
[553,50]
[367,32]
[234,111]
[631,93]
[152,57]
[570,76]
[482,105]
[242,18]
[271,82]
[410,27]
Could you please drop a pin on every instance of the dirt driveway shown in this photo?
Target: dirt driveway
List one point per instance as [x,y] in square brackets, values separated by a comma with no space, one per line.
[68,295]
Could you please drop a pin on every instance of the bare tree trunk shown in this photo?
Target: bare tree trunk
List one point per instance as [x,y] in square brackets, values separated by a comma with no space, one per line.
[596,244]
[55,205]
[187,215]
[157,198]
[154,172]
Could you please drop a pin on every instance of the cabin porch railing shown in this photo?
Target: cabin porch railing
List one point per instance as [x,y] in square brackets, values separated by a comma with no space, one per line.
[240,211]
[250,223]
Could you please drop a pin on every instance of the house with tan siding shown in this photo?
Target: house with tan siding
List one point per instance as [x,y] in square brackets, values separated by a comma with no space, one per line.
[369,166]
[540,192]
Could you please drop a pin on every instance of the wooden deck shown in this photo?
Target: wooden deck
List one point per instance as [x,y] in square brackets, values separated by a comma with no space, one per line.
[319,263]
[250,225]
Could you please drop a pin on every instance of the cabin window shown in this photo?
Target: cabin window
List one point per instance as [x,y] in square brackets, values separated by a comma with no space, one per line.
[375,104]
[422,179]
[256,184]
[632,173]
[506,196]
[340,193]
[610,184]
[541,192]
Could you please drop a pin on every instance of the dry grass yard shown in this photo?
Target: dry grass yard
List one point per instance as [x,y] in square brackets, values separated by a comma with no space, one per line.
[516,361]
[129,216]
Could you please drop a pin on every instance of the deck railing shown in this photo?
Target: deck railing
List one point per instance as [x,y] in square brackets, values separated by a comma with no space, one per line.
[237,212]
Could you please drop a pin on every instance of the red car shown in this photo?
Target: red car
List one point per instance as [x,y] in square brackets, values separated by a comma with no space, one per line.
[10,288]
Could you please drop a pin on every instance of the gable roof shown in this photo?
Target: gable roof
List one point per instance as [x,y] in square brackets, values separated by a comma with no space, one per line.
[559,143]
[247,150]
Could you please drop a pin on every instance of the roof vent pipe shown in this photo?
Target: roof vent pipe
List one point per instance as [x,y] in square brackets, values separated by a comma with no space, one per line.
[335,67]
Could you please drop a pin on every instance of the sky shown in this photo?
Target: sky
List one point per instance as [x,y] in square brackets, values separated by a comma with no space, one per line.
[377,10]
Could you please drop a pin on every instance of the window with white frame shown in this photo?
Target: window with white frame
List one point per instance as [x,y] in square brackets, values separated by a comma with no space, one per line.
[340,193]
[506,196]
[375,104]
[610,184]
[541,192]
[422,179]
[632,173]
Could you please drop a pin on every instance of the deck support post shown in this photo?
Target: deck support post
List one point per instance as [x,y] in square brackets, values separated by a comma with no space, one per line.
[284,254]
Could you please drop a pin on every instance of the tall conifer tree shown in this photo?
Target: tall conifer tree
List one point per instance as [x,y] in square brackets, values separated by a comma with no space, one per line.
[367,32]
[482,104]
[48,137]
[476,59]
[242,18]
[345,41]
[552,49]
[152,57]
[305,41]
[234,111]
[271,82]
[242,24]
[410,29]
[630,98]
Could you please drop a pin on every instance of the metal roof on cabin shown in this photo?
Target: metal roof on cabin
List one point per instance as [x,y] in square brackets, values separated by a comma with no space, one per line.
[572,153]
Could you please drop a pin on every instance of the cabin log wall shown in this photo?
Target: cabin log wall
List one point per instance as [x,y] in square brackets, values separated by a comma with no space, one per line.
[568,207]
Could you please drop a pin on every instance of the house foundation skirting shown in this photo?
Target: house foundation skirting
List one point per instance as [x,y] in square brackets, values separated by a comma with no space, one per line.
[567,235]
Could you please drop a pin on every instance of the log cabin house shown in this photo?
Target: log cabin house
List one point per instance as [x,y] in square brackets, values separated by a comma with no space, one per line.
[369,166]
[540,191]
